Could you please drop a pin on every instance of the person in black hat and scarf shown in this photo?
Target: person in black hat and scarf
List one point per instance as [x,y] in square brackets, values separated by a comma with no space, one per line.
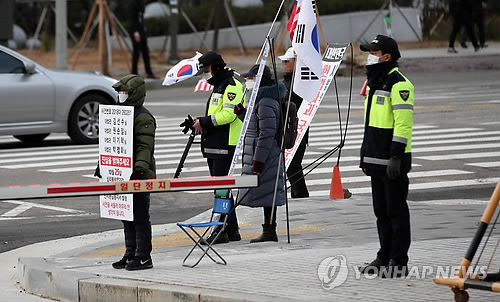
[386,153]
[220,128]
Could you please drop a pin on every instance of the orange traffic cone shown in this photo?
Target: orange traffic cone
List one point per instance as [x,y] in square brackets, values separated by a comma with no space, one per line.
[336,191]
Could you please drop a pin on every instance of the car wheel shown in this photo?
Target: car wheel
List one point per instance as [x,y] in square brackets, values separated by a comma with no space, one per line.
[83,123]
[32,138]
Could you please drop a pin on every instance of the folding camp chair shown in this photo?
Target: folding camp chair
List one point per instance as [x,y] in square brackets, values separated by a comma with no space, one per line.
[222,205]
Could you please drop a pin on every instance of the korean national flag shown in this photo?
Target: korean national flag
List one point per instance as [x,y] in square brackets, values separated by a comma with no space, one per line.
[308,68]
[182,70]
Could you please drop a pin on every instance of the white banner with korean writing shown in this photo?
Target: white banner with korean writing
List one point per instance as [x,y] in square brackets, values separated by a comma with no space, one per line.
[331,61]
[249,109]
[116,128]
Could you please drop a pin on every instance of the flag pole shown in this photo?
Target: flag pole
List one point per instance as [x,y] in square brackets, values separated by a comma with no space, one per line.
[282,151]
[270,29]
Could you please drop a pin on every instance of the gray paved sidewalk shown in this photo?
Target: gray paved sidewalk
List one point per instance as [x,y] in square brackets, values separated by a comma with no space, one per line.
[320,228]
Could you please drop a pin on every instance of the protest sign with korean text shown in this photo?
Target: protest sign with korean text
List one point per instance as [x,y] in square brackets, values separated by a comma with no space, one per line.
[331,61]
[116,128]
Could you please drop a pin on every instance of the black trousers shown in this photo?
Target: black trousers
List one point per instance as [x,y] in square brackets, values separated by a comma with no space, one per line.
[267,215]
[220,167]
[295,174]
[138,48]
[393,216]
[138,241]
[479,22]
[458,23]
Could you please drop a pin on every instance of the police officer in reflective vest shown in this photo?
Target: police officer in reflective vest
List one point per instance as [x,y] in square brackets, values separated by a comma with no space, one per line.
[220,128]
[386,153]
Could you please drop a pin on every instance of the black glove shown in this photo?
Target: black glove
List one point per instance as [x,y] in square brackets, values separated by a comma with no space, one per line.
[137,174]
[187,124]
[97,172]
[258,167]
[239,109]
[394,167]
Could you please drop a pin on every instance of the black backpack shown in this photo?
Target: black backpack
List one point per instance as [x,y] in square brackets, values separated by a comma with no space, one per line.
[290,125]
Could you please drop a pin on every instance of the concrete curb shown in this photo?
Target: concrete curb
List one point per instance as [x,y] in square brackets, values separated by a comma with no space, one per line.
[107,289]
[39,278]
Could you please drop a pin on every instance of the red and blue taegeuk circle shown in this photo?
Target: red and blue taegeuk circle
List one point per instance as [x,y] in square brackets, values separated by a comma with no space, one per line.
[185,70]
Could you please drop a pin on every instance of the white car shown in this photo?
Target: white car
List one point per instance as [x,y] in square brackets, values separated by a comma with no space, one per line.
[37,101]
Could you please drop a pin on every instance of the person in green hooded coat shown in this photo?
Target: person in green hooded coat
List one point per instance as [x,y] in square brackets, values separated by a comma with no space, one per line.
[138,238]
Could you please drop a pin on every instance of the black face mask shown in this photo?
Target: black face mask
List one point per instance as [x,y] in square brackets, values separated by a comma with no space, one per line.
[376,72]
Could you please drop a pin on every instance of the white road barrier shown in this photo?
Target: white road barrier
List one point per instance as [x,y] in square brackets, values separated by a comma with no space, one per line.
[105,188]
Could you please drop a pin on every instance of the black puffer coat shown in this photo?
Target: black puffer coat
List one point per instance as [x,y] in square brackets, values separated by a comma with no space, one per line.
[261,145]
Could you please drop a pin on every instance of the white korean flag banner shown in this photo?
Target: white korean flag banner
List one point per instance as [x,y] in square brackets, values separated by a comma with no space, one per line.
[305,43]
[331,62]
[249,109]
[182,70]
[116,128]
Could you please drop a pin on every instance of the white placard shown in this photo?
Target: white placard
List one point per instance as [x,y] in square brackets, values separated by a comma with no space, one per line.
[331,62]
[116,129]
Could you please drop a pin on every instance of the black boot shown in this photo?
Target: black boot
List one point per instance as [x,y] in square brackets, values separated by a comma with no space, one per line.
[223,238]
[233,235]
[268,234]
[374,267]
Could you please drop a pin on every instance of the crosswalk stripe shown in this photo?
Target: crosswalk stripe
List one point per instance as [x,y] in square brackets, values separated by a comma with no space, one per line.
[460,156]
[455,147]
[94,156]
[333,140]
[491,164]
[421,186]
[88,161]
[361,129]
[417,142]
[355,179]
[315,130]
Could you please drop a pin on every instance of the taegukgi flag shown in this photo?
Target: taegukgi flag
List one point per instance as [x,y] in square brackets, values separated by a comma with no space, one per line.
[292,22]
[182,70]
[308,66]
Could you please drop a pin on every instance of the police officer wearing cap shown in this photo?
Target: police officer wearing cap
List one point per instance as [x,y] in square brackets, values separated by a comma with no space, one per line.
[220,128]
[386,153]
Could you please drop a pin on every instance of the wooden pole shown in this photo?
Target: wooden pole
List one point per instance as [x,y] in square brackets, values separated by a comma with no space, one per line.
[101,47]
[325,44]
[117,34]
[75,57]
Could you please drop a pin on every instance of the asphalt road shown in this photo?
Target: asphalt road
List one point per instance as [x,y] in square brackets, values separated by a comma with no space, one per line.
[456,151]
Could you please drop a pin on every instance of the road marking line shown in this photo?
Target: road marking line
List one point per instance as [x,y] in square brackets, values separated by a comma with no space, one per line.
[421,186]
[357,179]
[489,164]
[42,206]
[455,147]
[17,210]
[460,156]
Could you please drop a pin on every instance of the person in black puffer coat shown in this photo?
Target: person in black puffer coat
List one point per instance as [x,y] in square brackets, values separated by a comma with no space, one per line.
[261,153]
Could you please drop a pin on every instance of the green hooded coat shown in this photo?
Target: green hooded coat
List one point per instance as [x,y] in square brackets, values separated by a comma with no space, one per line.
[144,125]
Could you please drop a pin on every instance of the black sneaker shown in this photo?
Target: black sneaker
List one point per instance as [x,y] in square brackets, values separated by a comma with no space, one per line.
[121,263]
[394,270]
[138,264]
[373,267]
